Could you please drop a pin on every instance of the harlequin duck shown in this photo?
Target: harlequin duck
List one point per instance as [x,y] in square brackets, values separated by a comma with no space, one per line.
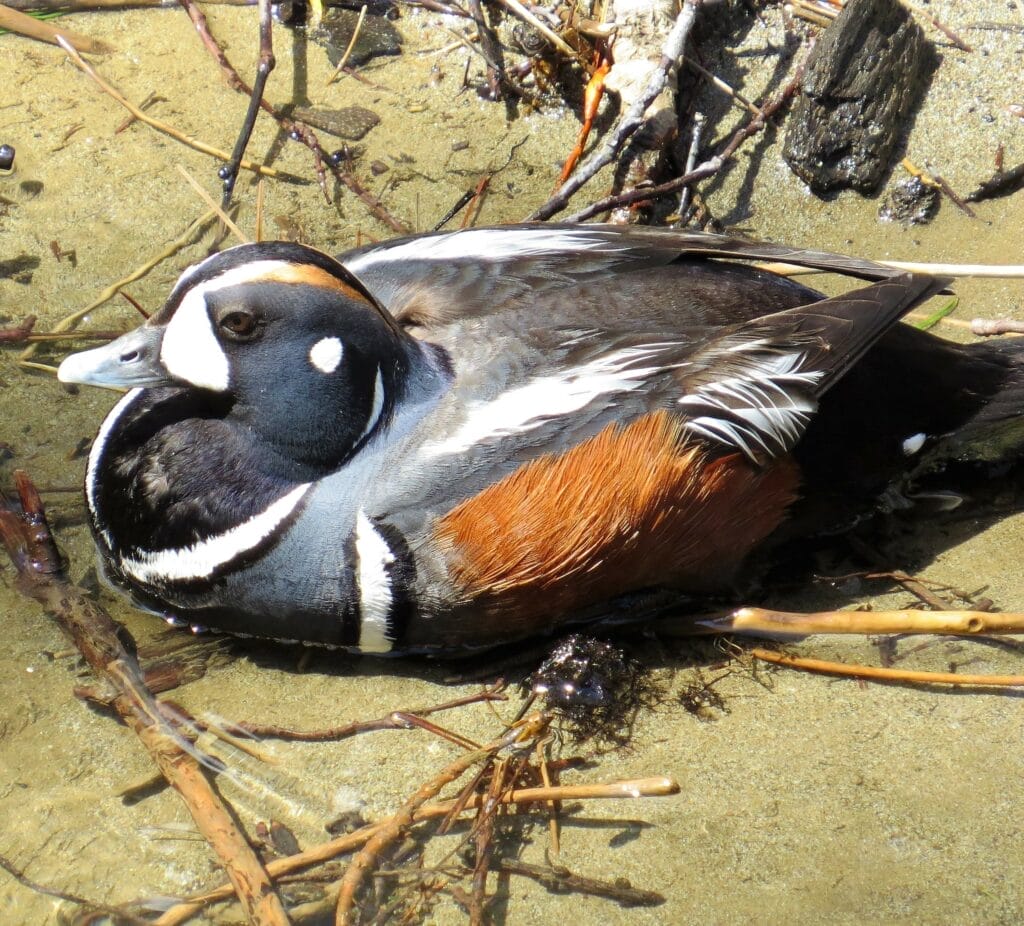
[450,441]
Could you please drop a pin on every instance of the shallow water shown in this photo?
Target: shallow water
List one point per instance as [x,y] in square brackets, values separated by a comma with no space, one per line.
[805,800]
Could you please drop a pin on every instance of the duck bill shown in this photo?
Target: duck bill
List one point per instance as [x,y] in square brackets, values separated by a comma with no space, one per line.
[131,361]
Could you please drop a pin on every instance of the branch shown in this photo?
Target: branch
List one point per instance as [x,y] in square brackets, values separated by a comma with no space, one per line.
[633,119]
[105,646]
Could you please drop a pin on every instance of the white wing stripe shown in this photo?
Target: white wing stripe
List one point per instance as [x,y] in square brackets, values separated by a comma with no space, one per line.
[526,407]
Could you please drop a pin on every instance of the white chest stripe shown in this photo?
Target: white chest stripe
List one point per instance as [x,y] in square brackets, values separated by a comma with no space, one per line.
[202,558]
[98,447]
[375,594]
[525,407]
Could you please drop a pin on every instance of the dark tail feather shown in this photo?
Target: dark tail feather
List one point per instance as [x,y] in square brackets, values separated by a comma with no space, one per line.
[995,431]
[917,413]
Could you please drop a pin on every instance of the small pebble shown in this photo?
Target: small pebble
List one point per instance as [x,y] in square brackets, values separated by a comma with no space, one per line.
[378,167]
[460,145]
[6,157]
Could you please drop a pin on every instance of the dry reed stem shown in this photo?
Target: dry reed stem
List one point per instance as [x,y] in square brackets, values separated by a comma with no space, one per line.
[990,271]
[336,73]
[69,322]
[208,199]
[33,28]
[164,127]
[876,673]
[962,623]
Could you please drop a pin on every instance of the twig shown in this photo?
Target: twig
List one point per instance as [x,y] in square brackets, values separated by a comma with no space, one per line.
[18,333]
[392,721]
[393,828]
[985,327]
[720,84]
[100,640]
[34,28]
[118,914]
[955,197]
[627,789]
[562,881]
[483,841]
[633,119]
[163,127]
[765,620]
[696,138]
[877,673]
[348,48]
[297,130]
[376,207]
[912,585]
[545,777]
[709,168]
[150,100]
[84,6]
[945,30]
[229,172]
[490,51]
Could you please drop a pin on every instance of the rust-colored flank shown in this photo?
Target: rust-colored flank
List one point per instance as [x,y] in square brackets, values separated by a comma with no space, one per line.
[632,507]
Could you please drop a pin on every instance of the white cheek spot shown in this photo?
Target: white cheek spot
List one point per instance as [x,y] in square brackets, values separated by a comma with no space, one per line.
[914,443]
[201,559]
[190,350]
[325,355]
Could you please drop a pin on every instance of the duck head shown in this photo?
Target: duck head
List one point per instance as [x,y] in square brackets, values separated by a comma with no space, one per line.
[281,336]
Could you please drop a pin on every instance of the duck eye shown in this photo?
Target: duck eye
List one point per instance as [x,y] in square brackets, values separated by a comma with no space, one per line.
[239,326]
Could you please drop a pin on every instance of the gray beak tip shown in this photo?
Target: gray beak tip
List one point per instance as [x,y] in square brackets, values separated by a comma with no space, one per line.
[130,360]
[73,369]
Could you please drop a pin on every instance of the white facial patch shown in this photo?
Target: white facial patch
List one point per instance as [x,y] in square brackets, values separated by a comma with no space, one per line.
[190,350]
[375,595]
[545,397]
[95,454]
[914,443]
[325,355]
[203,558]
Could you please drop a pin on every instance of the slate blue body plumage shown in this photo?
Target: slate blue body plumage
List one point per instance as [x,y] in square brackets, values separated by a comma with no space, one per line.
[453,440]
